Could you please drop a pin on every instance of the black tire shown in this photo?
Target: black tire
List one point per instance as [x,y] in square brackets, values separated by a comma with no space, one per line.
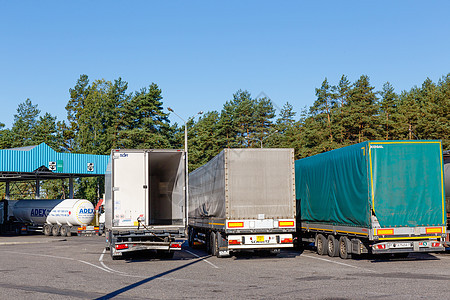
[214,244]
[208,242]
[344,248]
[63,230]
[332,246]
[191,237]
[47,229]
[55,230]
[69,230]
[321,245]
[18,229]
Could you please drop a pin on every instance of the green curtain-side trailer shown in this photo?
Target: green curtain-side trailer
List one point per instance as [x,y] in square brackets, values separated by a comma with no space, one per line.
[373,197]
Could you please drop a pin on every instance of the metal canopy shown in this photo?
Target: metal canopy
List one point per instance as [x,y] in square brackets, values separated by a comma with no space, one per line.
[42,162]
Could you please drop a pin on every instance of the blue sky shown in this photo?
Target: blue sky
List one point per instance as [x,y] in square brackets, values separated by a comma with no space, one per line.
[201,52]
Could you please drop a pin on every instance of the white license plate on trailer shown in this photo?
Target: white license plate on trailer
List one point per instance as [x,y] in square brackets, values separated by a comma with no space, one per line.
[400,245]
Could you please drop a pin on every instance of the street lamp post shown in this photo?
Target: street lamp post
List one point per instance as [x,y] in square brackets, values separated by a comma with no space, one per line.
[186,177]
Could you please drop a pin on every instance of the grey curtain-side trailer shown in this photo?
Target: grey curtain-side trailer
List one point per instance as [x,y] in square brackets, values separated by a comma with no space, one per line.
[243,200]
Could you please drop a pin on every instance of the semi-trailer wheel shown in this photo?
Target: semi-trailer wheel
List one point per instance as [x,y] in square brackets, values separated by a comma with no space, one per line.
[69,230]
[214,244]
[344,248]
[63,230]
[191,237]
[208,242]
[321,244]
[333,246]
[47,229]
[55,230]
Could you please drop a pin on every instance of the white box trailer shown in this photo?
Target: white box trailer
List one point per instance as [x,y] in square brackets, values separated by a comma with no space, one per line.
[145,201]
[243,199]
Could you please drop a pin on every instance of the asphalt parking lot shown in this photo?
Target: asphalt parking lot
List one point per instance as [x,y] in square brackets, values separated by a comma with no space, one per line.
[39,267]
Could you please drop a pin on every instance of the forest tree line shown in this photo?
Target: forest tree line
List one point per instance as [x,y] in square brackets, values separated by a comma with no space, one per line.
[102,115]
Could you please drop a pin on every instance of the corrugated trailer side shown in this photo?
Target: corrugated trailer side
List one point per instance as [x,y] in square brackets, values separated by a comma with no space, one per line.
[243,199]
[376,196]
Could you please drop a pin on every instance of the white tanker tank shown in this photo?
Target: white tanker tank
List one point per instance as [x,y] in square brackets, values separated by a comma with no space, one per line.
[55,216]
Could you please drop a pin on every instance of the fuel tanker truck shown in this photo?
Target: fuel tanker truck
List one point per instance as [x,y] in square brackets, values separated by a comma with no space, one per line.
[52,217]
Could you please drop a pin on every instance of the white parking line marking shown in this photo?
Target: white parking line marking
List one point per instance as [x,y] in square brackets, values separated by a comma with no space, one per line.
[61,257]
[336,262]
[106,267]
[201,258]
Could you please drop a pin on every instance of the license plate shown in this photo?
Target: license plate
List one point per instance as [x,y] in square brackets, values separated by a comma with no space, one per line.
[260,238]
[400,245]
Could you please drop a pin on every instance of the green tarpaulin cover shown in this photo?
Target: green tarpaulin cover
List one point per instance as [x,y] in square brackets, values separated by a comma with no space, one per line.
[401,182]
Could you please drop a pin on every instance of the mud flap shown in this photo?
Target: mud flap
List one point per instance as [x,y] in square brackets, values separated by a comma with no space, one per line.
[223,245]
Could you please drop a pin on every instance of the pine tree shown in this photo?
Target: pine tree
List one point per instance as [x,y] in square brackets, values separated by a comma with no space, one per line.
[6,137]
[360,112]
[342,94]
[75,108]
[388,113]
[245,121]
[46,131]
[144,124]
[288,130]
[202,142]
[23,128]
[409,108]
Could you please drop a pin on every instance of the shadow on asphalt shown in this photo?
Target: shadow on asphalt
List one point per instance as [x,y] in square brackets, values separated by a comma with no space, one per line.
[144,281]
[380,258]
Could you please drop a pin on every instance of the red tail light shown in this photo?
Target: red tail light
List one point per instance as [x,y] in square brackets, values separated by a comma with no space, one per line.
[435,244]
[234,242]
[175,245]
[381,246]
[121,246]
[286,241]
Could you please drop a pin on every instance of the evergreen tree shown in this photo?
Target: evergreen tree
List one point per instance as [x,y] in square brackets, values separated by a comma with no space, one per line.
[433,122]
[23,128]
[202,142]
[388,112]
[288,130]
[409,109]
[46,131]
[245,121]
[144,124]
[443,111]
[342,94]
[360,112]
[75,108]
[6,137]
